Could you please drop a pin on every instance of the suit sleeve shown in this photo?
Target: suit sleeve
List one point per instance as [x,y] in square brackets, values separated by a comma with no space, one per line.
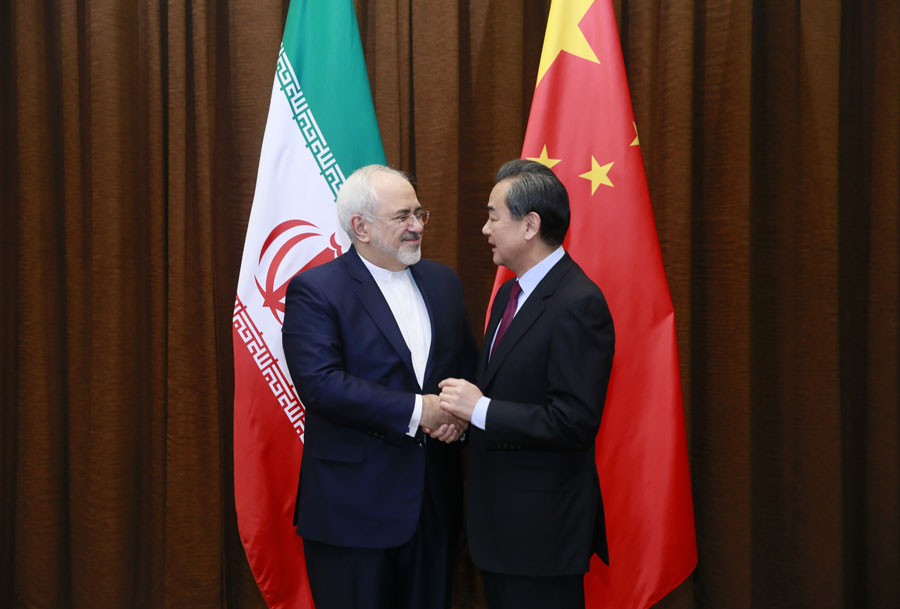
[313,349]
[579,365]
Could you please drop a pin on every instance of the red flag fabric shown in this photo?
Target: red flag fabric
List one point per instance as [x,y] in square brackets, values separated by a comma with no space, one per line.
[582,126]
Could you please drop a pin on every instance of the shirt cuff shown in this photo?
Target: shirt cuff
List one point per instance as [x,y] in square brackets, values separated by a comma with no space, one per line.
[479,415]
[416,417]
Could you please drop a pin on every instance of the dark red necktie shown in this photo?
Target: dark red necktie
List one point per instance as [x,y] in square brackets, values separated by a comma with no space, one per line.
[508,313]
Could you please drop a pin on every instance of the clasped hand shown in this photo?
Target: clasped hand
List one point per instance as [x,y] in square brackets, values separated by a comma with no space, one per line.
[439,424]
[459,397]
[445,418]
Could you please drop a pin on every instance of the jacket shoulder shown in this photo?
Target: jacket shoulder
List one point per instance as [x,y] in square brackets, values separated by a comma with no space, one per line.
[322,272]
[577,290]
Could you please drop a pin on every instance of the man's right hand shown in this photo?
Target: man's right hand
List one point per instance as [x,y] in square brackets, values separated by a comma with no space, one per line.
[438,423]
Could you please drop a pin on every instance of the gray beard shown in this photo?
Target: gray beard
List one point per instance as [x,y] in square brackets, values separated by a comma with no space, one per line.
[407,255]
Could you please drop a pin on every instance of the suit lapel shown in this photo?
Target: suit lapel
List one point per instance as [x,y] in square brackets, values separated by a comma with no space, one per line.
[373,300]
[533,308]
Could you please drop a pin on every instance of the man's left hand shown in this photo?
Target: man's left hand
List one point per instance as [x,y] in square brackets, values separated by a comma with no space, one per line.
[458,397]
[448,432]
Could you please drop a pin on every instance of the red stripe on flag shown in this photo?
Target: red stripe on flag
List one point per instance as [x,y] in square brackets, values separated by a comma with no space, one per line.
[267,452]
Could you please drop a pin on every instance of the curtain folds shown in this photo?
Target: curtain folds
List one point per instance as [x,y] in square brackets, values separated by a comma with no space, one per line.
[130,141]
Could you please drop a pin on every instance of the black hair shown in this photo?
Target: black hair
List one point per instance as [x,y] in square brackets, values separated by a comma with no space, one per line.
[535,188]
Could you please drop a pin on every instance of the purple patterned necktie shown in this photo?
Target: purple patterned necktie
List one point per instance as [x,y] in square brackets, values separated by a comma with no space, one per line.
[508,313]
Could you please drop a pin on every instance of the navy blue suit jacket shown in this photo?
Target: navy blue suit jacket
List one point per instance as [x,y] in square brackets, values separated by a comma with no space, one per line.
[362,478]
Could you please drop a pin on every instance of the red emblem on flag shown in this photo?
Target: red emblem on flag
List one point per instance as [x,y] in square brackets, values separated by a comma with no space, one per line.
[278,266]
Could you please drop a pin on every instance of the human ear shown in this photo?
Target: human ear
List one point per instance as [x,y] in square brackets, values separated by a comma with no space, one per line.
[532,225]
[360,228]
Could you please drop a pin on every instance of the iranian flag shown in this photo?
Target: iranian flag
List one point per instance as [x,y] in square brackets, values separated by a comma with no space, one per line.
[321,127]
[582,126]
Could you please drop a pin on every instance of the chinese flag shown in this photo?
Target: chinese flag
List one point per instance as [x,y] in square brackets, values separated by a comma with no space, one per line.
[582,126]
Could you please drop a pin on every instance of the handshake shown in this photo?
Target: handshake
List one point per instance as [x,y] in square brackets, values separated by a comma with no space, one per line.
[446,417]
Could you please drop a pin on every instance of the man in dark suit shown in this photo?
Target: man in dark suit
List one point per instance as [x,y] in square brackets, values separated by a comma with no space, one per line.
[367,337]
[534,514]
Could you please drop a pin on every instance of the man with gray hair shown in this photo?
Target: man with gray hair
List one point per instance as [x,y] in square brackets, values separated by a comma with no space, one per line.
[367,337]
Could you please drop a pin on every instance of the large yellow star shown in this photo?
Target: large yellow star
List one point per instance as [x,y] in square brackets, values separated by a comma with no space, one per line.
[598,175]
[636,141]
[563,34]
[545,159]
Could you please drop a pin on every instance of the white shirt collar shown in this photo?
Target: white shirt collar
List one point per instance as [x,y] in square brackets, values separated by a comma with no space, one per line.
[533,276]
[382,274]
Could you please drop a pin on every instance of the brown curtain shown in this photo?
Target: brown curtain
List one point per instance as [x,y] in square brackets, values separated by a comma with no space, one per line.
[130,140]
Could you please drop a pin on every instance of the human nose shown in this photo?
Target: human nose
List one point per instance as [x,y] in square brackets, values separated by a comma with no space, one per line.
[485,230]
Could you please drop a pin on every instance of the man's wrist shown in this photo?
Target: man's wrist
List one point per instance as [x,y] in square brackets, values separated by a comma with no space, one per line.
[479,414]
[416,417]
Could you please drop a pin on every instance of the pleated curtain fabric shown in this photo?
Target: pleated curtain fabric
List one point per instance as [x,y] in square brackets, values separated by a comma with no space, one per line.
[130,136]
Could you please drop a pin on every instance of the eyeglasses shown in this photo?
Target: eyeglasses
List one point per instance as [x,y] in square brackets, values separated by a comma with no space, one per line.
[421,215]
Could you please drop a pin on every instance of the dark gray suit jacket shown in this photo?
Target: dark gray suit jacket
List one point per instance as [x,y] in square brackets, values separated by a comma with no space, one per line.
[534,505]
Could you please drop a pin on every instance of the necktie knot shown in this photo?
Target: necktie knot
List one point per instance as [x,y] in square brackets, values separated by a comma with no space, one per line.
[514,294]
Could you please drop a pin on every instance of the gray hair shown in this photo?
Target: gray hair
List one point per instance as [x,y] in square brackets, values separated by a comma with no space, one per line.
[357,196]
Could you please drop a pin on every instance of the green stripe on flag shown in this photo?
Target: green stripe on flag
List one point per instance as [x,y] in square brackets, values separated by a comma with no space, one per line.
[321,42]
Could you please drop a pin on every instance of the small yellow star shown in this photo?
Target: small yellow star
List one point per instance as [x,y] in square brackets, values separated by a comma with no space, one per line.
[598,175]
[544,159]
[563,34]
[635,141]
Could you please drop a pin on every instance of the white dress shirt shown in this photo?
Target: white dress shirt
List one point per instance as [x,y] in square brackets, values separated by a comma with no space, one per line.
[527,282]
[406,303]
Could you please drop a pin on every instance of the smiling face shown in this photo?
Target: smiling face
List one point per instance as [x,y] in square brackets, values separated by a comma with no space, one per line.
[394,244]
[506,234]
